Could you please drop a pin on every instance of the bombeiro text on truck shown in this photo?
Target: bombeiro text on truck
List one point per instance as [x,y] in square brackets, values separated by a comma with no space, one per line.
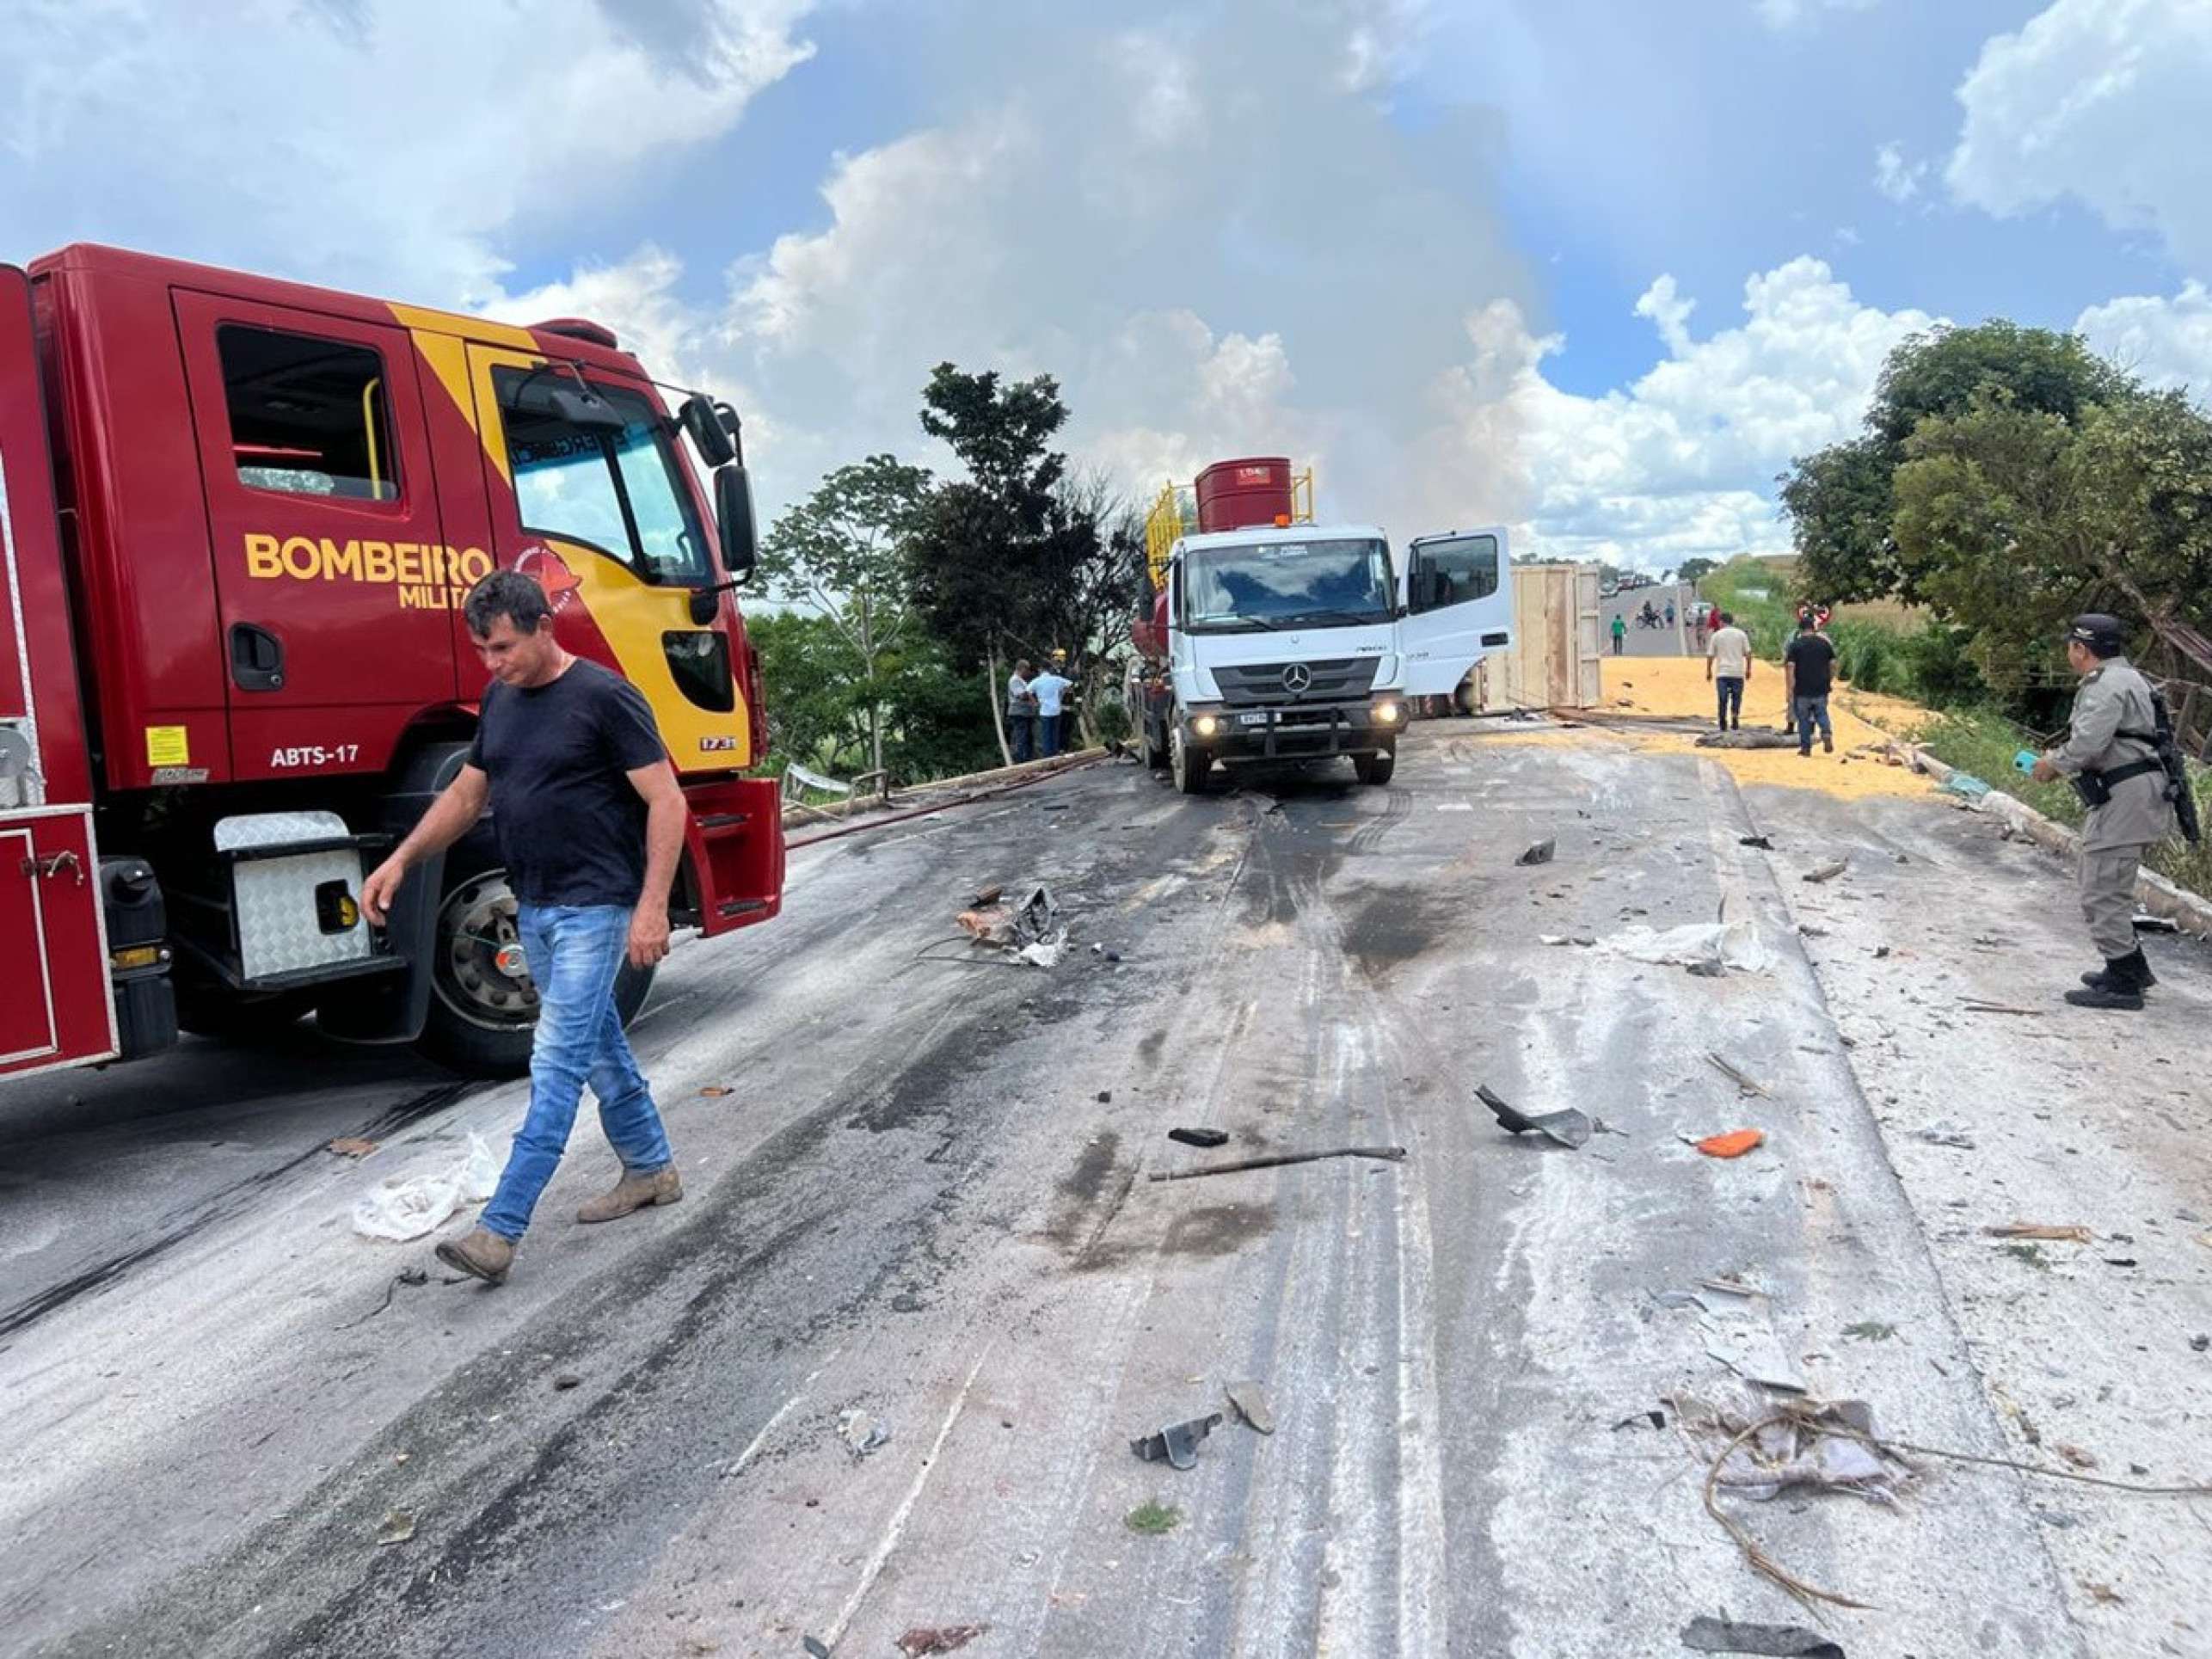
[1273,638]
[238,518]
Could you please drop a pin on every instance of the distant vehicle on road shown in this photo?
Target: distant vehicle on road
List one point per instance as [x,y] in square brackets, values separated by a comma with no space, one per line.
[1273,638]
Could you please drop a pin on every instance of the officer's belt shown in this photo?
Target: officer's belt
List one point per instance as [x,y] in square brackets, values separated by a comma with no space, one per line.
[2133,769]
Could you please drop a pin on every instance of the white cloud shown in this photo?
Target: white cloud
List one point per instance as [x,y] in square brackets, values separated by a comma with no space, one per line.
[389,144]
[1790,14]
[1895,177]
[1271,266]
[1681,461]
[2167,341]
[2103,100]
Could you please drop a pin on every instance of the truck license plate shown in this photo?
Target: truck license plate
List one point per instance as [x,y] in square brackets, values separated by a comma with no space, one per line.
[1259,718]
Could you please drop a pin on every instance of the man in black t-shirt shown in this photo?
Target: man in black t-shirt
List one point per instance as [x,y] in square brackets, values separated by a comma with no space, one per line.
[1808,672]
[590,821]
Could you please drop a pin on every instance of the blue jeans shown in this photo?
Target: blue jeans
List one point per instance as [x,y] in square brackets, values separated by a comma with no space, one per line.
[1048,735]
[1731,698]
[574,951]
[1023,728]
[1805,710]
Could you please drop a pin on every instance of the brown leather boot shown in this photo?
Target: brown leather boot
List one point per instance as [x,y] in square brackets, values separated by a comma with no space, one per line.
[634,1192]
[480,1254]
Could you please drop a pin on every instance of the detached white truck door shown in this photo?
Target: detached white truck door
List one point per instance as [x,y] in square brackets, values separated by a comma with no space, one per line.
[1458,608]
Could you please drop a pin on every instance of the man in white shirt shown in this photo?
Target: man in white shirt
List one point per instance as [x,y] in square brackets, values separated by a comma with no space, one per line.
[1050,689]
[1021,712]
[1728,666]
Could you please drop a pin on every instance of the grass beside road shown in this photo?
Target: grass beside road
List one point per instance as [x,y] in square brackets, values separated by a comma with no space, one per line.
[1983,743]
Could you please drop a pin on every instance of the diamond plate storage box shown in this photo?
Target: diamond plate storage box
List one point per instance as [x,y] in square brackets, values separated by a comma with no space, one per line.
[295,887]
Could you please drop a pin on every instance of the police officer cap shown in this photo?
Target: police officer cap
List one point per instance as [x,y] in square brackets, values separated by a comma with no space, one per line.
[2098,632]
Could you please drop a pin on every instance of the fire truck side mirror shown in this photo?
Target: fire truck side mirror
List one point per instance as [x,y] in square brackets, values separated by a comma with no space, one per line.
[698,417]
[741,548]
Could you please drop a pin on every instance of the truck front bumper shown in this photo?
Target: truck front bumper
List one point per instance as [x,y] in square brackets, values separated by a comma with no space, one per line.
[1296,731]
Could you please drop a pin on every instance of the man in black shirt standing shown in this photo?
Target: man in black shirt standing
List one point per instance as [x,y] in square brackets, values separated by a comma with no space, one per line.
[1808,672]
[590,821]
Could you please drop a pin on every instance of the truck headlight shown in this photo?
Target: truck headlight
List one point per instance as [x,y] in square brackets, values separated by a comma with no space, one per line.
[1205,725]
[1389,714]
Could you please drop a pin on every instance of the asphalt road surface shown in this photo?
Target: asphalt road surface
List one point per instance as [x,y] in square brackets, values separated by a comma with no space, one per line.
[1660,641]
[918,1189]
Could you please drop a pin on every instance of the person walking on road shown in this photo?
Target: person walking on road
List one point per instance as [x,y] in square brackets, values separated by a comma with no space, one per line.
[1808,675]
[1728,666]
[1670,613]
[2110,754]
[590,821]
[1021,713]
[1050,689]
[1619,631]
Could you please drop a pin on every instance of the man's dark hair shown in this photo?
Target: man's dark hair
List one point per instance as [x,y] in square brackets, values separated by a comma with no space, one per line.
[506,593]
[1727,619]
[1808,623]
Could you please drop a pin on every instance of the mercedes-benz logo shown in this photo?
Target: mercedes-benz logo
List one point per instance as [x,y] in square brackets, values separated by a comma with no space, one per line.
[1297,677]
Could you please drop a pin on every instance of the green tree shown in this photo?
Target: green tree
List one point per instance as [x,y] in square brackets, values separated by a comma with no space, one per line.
[2020,518]
[1693,571]
[843,551]
[1840,500]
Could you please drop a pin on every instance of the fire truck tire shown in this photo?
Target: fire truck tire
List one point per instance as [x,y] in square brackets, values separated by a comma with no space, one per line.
[1375,768]
[483,1009]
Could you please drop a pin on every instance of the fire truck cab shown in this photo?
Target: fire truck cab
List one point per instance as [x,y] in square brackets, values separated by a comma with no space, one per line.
[237,519]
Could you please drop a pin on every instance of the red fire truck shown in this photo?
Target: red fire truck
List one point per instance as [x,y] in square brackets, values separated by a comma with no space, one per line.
[238,518]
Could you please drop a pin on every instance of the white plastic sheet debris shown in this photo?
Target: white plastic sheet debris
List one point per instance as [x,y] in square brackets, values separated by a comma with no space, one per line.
[1698,945]
[405,1207]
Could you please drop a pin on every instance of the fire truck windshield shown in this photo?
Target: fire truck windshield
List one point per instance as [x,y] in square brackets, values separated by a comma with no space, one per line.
[1324,580]
[616,491]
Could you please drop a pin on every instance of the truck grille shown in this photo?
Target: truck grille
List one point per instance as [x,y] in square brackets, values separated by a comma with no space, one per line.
[1335,679]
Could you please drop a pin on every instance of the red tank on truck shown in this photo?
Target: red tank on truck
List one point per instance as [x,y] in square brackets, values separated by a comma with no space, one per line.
[237,519]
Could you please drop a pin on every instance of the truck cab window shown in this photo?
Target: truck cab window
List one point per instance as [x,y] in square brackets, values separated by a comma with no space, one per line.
[308,417]
[1450,572]
[618,491]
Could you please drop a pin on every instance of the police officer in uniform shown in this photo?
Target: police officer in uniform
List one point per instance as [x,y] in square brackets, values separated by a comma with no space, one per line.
[2110,756]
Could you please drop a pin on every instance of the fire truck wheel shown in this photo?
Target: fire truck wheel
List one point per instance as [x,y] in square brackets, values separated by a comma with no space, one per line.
[1375,768]
[1189,765]
[483,1005]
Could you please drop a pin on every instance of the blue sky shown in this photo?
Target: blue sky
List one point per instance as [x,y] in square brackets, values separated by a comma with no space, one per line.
[1592,269]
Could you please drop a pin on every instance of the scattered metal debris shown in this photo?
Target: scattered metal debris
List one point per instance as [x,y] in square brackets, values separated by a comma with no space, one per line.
[1251,1403]
[1828,871]
[1739,1331]
[1707,1635]
[989,896]
[2042,1230]
[939,1639]
[1759,841]
[1200,1137]
[2147,923]
[398,1526]
[1653,1419]
[861,1433]
[1540,853]
[1391,1154]
[815,1646]
[408,1276]
[1943,1132]
[1177,1445]
[1975,1005]
[1568,1127]
[1750,1085]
